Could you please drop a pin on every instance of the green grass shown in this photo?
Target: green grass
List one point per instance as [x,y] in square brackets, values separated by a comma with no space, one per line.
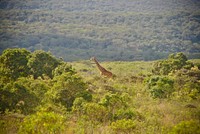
[156,115]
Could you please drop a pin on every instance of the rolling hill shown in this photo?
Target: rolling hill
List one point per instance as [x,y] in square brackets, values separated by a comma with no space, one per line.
[112,30]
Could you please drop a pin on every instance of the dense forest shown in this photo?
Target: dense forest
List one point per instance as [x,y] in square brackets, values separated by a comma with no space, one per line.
[110,29]
[42,94]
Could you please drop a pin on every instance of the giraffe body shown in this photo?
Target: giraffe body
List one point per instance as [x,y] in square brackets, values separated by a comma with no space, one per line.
[102,70]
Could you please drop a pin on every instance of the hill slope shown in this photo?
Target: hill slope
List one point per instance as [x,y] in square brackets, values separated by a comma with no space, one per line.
[111,29]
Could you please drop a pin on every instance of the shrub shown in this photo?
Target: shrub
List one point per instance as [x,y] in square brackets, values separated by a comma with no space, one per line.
[10,122]
[13,63]
[66,88]
[124,114]
[63,68]
[172,64]
[43,122]
[95,112]
[23,95]
[78,106]
[42,63]
[114,103]
[160,87]
[123,126]
[186,127]
[85,95]
[187,82]
[115,100]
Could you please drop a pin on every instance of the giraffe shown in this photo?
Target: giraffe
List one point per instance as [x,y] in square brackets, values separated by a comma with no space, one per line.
[102,70]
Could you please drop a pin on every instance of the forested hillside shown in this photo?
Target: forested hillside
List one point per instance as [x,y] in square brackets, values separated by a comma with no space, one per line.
[40,94]
[109,29]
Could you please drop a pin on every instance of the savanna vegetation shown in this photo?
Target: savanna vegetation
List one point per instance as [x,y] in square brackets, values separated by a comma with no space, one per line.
[110,29]
[42,94]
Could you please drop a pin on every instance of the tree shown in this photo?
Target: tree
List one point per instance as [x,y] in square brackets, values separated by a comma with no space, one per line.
[116,103]
[13,63]
[160,87]
[66,88]
[172,64]
[42,63]
[63,68]
[23,95]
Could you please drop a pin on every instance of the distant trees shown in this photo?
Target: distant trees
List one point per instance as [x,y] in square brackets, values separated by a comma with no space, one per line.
[138,33]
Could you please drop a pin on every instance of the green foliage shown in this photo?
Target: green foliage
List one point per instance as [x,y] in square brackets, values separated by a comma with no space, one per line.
[25,94]
[125,114]
[63,68]
[6,100]
[78,106]
[43,122]
[172,64]
[186,127]
[42,63]
[10,122]
[186,77]
[90,115]
[61,101]
[19,91]
[13,63]
[115,100]
[140,30]
[116,103]
[66,88]
[85,95]
[123,126]
[160,87]
[95,112]
[187,82]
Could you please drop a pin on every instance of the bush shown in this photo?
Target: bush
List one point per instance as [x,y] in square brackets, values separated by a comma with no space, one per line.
[66,88]
[13,63]
[95,112]
[43,122]
[123,126]
[187,82]
[160,87]
[172,64]
[23,95]
[10,122]
[186,127]
[63,68]
[114,103]
[42,63]
[125,114]
[78,106]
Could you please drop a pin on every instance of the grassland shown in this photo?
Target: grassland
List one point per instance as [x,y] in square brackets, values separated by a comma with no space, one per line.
[79,100]
[158,116]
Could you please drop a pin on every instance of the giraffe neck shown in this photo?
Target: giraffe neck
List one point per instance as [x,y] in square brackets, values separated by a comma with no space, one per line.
[99,66]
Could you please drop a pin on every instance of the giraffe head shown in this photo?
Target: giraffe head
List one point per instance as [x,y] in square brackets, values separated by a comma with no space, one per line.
[92,58]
